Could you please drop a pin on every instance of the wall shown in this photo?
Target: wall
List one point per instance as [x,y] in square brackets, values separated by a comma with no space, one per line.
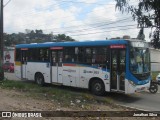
[155,59]
[8,55]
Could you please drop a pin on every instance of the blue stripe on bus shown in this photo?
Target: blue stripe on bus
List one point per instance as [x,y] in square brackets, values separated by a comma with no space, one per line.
[129,76]
[69,44]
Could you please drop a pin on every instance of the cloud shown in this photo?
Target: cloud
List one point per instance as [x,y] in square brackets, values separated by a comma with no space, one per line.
[35,14]
[86,20]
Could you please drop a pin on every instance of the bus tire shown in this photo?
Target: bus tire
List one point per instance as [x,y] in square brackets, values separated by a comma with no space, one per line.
[97,87]
[39,79]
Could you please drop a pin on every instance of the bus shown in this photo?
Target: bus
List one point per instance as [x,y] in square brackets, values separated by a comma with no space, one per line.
[100,66]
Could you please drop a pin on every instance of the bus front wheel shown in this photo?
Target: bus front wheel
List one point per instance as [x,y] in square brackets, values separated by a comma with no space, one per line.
[97,87]
[39,79]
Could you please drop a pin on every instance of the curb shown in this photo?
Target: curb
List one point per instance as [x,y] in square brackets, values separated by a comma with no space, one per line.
[157,112]
[132,107]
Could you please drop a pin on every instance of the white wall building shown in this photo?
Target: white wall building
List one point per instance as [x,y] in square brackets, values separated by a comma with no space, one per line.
[8,55]
[155,59]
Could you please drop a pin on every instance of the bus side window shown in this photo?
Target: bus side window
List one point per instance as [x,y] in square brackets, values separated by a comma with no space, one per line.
[88,55]
[43,54]
[100,57]
[70,54]
[60,56]
[81,55]
[67,58]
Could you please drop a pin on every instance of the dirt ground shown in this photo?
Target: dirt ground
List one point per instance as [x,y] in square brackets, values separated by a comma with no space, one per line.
[13,100]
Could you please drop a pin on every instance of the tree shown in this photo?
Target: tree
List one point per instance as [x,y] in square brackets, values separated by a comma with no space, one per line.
[141,35]
[33,36]
[62,37]
[147,14]
[39,31]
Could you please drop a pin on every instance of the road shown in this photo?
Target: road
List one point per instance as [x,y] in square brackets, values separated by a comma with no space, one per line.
[144,100]
[10,76]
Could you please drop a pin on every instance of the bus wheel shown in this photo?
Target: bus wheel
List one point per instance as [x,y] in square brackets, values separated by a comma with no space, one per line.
[97,87]
[39,79]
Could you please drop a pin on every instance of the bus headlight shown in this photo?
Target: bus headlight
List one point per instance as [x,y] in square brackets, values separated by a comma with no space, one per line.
[131,82]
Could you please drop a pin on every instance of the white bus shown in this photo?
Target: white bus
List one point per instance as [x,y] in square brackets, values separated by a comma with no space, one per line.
[107,65]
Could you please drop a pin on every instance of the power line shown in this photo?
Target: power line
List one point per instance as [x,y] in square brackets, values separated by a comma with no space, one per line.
[84,30]
[75,26]
[70,22]
[102,32]
[93,25]
[56,19]
[7,3]
[85,2]
[32,12]
[57,5]
[99,25]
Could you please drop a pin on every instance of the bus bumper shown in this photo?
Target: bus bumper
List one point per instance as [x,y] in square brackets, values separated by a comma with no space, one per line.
[136,88]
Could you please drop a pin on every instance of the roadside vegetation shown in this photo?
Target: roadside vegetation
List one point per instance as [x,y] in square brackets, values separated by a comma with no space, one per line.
[66,96]
[60,98]
[154,74]
[61,94]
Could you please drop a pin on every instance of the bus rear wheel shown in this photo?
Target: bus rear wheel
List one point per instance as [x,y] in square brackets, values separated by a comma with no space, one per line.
[39,79]
[97,87]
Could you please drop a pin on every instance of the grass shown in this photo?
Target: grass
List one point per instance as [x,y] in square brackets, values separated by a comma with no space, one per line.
[61,94]
[57,93]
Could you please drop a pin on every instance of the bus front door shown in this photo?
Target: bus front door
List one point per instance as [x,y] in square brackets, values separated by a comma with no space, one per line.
[118,57]
[24,63]
[56,70]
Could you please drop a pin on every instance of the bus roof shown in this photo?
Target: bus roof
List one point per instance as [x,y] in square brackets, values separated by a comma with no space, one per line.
[76,44]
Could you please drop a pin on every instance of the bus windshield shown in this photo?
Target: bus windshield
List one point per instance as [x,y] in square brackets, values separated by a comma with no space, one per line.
[140,62]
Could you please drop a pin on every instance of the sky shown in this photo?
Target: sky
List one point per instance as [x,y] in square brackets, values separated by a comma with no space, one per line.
[80,19]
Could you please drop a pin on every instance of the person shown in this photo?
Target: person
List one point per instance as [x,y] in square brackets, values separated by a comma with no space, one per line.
[7,56]
[140,67]
[68,58]
[133,65]
[146,69]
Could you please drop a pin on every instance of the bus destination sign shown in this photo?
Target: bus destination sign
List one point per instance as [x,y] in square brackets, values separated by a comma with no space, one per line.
[117,46]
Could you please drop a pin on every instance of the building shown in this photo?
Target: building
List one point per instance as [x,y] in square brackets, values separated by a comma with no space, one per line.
[155,59]
[8,55]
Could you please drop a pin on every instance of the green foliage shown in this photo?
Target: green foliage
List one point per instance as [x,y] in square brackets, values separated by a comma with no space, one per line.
[62,38]
[11,84]
[154,74]
[147,14]
[58,93]
[32,36]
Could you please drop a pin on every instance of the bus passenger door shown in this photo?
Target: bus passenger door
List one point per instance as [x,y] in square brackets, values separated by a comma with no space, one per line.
[24,63]
[56,68]
[118,57]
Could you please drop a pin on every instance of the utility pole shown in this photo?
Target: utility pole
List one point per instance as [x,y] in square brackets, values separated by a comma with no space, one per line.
[1,41]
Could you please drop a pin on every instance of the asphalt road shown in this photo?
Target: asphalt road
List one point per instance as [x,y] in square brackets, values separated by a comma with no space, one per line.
[10,76]
[144,100]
